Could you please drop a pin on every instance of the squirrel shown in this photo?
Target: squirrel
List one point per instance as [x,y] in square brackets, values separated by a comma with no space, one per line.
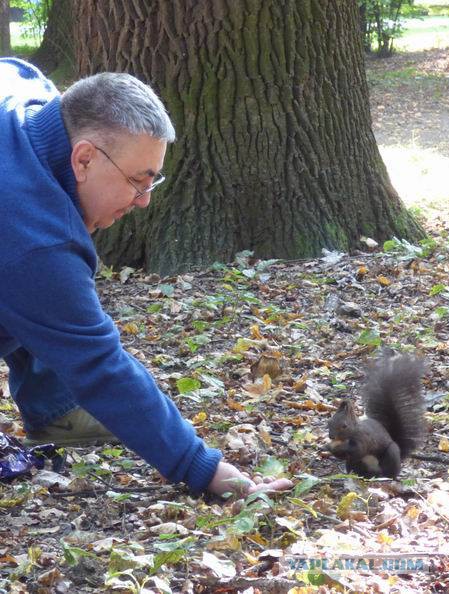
[375,445]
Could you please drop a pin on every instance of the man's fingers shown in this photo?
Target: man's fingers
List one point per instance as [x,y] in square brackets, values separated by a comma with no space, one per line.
[228,478]
[281,484]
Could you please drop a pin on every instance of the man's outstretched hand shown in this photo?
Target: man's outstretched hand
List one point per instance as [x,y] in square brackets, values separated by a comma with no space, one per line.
[228,478]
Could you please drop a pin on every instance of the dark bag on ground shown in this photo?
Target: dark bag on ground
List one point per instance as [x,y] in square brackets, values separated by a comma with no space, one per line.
[17,460]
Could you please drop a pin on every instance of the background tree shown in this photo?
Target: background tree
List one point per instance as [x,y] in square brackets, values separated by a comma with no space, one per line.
[5,36]
[57,47]
[381,23]
[275,151]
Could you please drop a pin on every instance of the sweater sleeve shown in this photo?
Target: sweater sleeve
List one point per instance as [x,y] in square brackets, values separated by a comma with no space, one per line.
[49,303]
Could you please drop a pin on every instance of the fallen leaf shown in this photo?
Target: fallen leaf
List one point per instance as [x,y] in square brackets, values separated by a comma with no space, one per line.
[443,444]
[383,281]
[266,365]
[199,418]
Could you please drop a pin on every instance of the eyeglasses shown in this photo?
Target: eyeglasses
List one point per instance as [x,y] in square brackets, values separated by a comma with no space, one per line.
[139,193]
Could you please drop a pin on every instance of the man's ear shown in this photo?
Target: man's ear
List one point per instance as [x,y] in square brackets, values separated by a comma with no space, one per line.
[83,153]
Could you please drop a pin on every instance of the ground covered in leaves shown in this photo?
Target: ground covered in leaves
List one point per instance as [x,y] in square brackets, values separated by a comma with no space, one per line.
[256,355]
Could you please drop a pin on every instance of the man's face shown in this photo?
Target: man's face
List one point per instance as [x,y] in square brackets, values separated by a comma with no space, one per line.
[107,177]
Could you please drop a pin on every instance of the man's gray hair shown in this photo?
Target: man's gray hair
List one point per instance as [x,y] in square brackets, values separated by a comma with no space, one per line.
[113,102]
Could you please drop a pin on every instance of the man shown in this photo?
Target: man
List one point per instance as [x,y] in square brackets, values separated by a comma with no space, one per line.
[70,165]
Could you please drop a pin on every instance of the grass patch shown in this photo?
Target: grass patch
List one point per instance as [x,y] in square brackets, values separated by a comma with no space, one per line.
[420,177]
[433,7]
[424,33]
[22,44]
[433,83]
[391,76]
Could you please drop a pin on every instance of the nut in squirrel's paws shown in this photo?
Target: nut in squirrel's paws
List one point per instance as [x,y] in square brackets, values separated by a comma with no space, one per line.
[337,447]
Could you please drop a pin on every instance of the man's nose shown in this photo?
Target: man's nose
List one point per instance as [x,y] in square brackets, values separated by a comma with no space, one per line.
[142,201]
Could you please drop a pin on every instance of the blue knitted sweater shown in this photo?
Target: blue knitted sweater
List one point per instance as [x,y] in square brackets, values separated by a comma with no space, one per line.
[48,301]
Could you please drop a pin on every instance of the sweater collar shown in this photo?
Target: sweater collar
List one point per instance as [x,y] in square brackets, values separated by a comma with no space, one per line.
[51,143]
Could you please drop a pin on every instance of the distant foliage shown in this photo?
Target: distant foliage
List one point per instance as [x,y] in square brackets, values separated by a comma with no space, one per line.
[35,15]
[381,23]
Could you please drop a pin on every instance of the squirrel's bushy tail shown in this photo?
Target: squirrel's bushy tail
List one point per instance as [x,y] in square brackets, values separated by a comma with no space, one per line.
[393,396]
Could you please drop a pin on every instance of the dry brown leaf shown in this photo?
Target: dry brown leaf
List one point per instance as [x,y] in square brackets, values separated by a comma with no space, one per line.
[297,421]
[51,577]
[309,405]
[361,272]
[300,385]
[255,332]
[267,364]
[233,405]
[443,445]
[130,328]
[199,418]
[413,512]
[265,435]
[384,538]
[383,280]
[258,539]
[259,388]
[124,479]
[8,560]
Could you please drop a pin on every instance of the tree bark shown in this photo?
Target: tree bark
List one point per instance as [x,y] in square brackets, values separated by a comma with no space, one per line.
[57,47]
[5,36]
[275,150]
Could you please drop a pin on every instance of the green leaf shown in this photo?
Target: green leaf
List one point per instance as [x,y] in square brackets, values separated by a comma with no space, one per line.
[271,467]
[106,272]
[83,469]
[339,476]
[242,258]
[200,325]
[168,557]
[259,495]
[173,543]
[309,481]
[217,266]
[264,264]
[123,559]
[213,382]
[72,555]
[167,290]
[305,505]
[429,246]
[125,464]
[113,452]
[154,308]
[437,289]
[391,245]
[244,523]
[369,338]
[194,342]
[187,384]
[249,272]
[119,497]
[316,578]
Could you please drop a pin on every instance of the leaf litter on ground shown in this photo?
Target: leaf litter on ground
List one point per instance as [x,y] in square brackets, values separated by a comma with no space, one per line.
[257,355]
[280,352]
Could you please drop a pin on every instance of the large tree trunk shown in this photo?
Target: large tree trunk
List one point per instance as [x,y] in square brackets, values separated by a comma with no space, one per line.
[5,36]
[57,49]
[275,151]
